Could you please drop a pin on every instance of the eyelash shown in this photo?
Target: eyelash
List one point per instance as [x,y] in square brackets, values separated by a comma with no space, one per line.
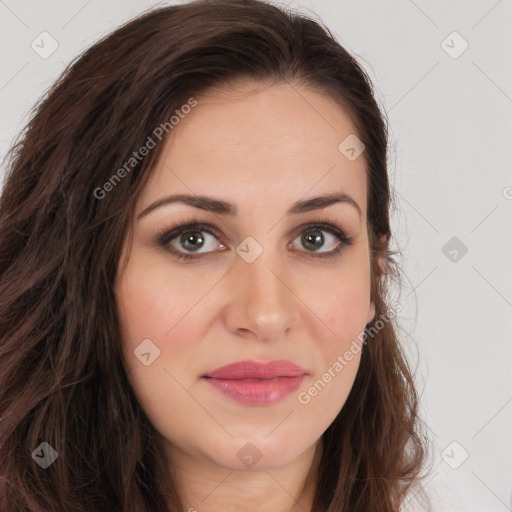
[167,235]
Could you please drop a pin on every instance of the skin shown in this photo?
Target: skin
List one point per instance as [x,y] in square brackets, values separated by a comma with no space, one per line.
[260,147]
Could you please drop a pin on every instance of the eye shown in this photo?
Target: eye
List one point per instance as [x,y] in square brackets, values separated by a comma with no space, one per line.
[193,239]
[187,241]
[323,236]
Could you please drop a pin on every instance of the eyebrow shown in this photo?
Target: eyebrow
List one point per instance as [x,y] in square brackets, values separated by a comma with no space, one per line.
[218,206]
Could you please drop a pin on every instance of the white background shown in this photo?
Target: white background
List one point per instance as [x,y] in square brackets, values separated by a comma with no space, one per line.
[451,148]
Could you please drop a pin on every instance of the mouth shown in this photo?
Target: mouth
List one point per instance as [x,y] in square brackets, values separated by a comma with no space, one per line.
[254,383]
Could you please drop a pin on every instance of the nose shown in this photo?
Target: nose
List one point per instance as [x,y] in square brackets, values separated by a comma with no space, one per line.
[262,299]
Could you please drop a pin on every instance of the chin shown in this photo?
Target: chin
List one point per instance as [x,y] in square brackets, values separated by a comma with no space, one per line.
[252,453]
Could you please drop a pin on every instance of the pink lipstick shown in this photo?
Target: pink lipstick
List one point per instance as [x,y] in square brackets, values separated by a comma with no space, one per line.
[256,383]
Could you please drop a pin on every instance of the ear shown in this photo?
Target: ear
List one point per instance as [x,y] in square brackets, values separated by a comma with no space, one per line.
[381,263]
[381,270]
[371,313]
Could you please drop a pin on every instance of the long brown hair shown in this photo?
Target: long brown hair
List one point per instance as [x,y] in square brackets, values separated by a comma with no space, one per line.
[62,378]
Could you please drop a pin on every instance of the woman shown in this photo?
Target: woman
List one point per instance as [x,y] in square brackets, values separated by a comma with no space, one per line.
[194,263]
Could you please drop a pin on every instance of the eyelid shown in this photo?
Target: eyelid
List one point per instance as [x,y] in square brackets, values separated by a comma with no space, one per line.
[165,235]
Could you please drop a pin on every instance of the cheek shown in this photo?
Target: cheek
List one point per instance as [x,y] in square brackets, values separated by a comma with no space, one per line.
[341,303]
[347,310]
[175,311]
[160,305]
[175,319]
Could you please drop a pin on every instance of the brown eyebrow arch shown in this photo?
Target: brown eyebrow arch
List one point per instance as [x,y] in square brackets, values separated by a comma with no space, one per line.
[218,206]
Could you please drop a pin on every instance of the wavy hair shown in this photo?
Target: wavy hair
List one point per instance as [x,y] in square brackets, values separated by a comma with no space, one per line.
[61,375]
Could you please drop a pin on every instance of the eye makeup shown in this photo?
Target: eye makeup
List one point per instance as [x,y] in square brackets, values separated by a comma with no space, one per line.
[165,236]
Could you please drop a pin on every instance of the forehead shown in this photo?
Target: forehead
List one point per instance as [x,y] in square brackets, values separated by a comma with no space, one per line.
[254,142]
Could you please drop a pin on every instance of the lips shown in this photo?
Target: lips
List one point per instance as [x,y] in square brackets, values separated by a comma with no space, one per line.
[256,383]
[255,370]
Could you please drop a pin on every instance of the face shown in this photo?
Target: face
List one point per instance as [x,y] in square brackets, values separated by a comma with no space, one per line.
[250,277]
